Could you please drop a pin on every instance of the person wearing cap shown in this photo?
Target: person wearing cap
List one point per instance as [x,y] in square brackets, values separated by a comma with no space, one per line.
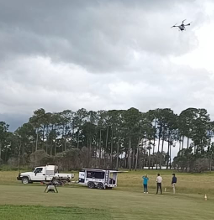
[159,182]
[174,181]
[145,183]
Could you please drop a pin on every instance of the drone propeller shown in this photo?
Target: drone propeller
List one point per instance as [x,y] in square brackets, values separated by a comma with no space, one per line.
[187,24]
[174,25]
[183,21]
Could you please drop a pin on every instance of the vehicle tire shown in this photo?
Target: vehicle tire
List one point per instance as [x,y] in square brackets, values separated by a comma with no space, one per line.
[100,186]
[25,180]
[91,185]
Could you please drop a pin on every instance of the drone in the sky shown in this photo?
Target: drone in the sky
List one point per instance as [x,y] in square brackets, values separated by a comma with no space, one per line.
[182,26]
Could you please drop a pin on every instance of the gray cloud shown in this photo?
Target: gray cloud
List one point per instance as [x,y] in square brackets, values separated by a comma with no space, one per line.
[100,55]
[99,35]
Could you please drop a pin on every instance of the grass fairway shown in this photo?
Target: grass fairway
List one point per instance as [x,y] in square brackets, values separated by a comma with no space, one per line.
[19,201]
[46,213]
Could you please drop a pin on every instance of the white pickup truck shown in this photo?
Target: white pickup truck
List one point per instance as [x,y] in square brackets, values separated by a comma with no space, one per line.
[44,173]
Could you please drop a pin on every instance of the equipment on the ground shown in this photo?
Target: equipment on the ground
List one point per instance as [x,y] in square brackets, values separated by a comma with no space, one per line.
[51,186]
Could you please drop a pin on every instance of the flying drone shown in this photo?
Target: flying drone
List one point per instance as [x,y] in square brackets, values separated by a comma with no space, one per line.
[182,26]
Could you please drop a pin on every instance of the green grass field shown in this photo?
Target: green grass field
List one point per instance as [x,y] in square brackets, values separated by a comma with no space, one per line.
[128,201]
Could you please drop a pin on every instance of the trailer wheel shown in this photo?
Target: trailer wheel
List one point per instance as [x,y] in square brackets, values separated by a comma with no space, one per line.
[25,180]
[91,185]
[100,186]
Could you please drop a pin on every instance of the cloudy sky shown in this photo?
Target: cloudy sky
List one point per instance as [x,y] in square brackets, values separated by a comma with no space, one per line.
[104,54]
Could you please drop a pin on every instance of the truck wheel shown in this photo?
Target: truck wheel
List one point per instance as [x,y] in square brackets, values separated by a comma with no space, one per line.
[91,185]
[25,180]
[100,186]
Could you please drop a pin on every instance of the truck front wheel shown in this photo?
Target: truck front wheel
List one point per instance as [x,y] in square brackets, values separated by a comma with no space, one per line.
[25,180]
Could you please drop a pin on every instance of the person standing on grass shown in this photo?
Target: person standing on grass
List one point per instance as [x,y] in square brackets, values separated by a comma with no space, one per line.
[174,181]
[159,182]
[145,183]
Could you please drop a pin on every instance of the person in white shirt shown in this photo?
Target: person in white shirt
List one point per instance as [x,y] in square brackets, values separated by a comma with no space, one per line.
[159,182]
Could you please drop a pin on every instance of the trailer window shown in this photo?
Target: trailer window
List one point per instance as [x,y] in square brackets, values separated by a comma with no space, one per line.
[99,175]
[90,174]
[96,175]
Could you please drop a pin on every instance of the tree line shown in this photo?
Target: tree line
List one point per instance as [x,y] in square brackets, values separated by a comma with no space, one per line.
[111,139]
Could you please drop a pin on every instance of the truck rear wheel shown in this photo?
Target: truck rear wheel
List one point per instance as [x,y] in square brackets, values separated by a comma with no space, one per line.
[25,180]
[91,185]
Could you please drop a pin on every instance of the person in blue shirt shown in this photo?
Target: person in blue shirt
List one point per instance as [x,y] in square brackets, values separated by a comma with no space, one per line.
[145,183]
[174,181]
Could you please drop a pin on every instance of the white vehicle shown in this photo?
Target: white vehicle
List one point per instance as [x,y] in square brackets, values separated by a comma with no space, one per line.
[44,173]
[98,178]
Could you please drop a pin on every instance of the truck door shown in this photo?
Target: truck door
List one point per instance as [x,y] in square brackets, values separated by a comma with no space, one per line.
[39,174]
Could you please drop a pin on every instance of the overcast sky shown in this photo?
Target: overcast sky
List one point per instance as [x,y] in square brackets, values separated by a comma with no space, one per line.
[104,54]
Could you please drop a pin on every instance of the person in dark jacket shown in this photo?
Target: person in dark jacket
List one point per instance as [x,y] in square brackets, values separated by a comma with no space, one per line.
[174,181]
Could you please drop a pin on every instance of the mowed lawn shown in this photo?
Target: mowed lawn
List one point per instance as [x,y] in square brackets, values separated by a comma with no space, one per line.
[128,201]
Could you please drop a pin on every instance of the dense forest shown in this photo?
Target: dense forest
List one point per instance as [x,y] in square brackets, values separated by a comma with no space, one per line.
[113,139]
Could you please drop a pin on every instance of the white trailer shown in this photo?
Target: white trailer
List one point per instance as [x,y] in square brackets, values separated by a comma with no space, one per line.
[44,173]
[98,178]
